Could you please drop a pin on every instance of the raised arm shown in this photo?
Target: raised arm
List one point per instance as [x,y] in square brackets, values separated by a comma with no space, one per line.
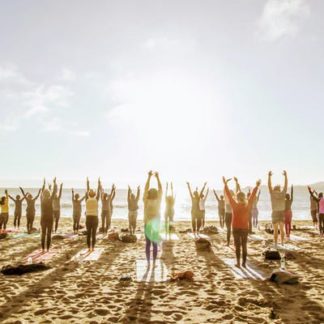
[23,193]
[147,185]
[203,189]
[88,185]
[286,182]
[113,192]
[172,194]
[292,193]
[270,182]
[138,193]
[160,191]
[61,189]
[166,189]
[253,194]
[72,194]
[237,186]
[228,193]
[129,192]
[39,192]
[98,189]
[44,184]
[216,196]
[13,199]
[190,191]
[54,191]
[312,194]
[207,192]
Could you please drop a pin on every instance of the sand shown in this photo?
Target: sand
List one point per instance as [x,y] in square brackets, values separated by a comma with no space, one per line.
[78,291]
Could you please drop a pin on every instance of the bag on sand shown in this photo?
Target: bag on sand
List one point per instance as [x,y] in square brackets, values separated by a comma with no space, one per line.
[210,230]
[271,255]
[183,275]
[3,236]
[23,268]
[113,236]
[202,244]
[128,238]
[284,277]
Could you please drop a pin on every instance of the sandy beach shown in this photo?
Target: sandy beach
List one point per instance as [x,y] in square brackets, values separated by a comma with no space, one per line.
[75,291]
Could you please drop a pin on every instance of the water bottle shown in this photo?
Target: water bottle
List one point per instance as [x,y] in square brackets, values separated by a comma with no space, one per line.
[283,263]
[30,260]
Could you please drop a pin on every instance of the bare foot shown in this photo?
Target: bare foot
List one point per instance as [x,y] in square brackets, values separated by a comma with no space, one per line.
[244,265]
[237,265]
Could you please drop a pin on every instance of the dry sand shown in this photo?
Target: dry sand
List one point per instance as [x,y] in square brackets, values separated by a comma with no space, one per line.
[91,292]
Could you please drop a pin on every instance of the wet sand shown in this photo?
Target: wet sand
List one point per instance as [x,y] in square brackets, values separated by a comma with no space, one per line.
[91,292]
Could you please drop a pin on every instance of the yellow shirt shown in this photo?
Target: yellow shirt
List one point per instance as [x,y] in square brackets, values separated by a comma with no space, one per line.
[5,206]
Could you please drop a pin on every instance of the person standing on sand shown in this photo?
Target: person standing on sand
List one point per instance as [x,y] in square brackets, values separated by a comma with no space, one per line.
[106,208]
[202,208]
[320,201]
[4,215]
[132,202]
[221,208]
[255,210]
[314,209]
[228,217]
[92,207]
[196,220]
[30,210]
[241,218]
[18,209]
[288,212]
[152,204]
[47,216]
[77,210]
[278,203]
[57,205]
[169,208]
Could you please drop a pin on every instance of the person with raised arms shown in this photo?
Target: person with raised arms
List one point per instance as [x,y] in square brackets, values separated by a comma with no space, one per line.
[30,210]
[288,212]
[196,219]
[278,204]
[57,206]
[228,216]
[107,208]
[132,202]
[202,207]
[221,208]
[255,210]
[240,219]
[47,215]
[18,209]
[4,214]
[314,208]
[92,208]
[152,205]
[169,208]
[77,210]
[320,201]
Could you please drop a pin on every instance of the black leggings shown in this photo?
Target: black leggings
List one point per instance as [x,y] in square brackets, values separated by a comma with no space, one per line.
[228,223]
[91,224]
[30,221]
[321,223]
[240,240]
[47,227]
[17,219]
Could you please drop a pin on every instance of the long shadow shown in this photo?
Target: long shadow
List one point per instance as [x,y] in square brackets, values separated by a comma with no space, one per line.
[301,308]
[47,281]
[140,307]
[167,254]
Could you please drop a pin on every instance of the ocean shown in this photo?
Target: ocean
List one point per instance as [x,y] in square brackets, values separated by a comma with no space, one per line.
[183,203]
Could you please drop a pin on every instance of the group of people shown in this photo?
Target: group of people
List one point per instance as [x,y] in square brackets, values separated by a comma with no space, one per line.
[237,211]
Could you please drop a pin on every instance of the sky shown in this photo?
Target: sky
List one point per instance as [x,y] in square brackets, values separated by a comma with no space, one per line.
[193,89]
